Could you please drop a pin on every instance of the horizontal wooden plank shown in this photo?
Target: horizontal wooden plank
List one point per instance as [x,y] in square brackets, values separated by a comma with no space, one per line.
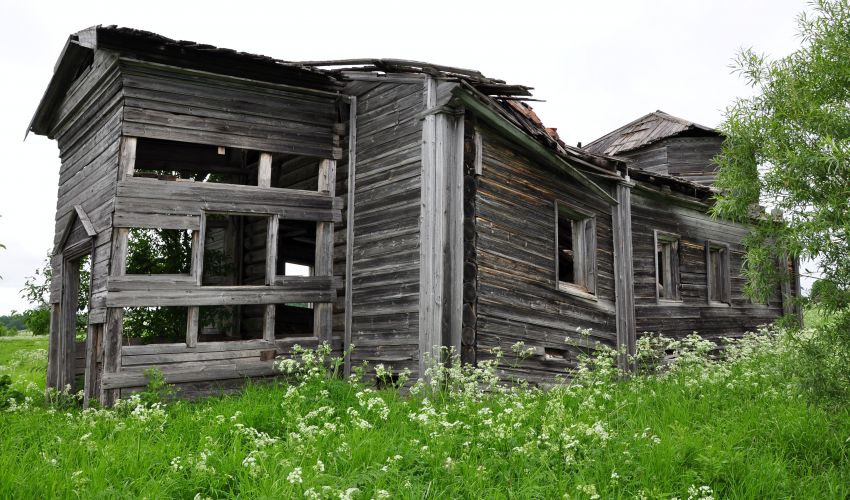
[133,378]
[146,293]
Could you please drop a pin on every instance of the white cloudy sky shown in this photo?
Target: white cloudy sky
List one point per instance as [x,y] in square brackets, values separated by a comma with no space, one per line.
[599,64]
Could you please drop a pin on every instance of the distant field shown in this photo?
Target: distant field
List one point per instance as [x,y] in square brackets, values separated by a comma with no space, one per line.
[703,429]
[24,358]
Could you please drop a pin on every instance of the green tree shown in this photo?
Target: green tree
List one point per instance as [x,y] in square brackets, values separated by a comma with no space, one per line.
[788,147]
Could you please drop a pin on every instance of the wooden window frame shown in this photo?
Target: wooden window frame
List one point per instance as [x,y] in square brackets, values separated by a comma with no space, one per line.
[674,281]
[726,286]
[584,245]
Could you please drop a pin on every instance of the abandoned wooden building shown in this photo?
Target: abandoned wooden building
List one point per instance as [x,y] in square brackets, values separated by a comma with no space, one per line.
[230,206]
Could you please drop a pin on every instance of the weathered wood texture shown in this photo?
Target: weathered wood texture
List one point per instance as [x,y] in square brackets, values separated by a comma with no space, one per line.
[385,257]
[517,294]
[86,126]
[651,212]
[166,102]
[687,157]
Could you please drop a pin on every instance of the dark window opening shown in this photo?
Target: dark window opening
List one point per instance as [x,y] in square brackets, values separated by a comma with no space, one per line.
[576,246]
[159,251]
[293,320]
[225,323]
[189,162]
[296,248]
[566,252]
[667,267]
[298,172]
[718,274]
[235,250]
[154,325]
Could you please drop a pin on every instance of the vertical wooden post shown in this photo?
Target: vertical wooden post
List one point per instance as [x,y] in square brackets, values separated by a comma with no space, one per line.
[194,313]
[54,361]
[323,311]
[93,347]
[349,232]
[271,272]
[114,327]
[264,170]
[127,161]
[624,294]
[114,315]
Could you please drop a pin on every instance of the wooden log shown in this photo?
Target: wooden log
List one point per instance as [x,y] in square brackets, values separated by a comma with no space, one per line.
[127,161]
[349,231]
[264,171]
[323,312]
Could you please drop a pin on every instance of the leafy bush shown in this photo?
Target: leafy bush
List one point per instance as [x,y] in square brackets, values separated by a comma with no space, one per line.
[38,320]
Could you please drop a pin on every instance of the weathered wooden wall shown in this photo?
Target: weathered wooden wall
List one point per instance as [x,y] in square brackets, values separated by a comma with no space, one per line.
[385,280]
[165,102]
[687,157]
[87,128]
[517,295]
[651,212]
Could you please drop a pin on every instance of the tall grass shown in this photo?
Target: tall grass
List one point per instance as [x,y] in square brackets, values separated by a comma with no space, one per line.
[700,427]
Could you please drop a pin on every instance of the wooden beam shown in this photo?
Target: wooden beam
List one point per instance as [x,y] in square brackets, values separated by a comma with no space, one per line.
[271,271]
[127,161]
[323,312]
[624,294]
[264,171]
[349,232]
[114,326]
[320,290]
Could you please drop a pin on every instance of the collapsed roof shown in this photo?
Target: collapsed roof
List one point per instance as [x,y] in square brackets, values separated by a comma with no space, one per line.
[505,100]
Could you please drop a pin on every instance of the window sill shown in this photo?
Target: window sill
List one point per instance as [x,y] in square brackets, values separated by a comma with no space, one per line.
[714,303]
[576,291]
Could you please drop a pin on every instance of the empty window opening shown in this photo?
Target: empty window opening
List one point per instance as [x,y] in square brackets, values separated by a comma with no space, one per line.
[576,246]
[299,172]
[188,162]
[75,313]
[159,251]
[667,266]
[154,325]
[226,323]
[235,250]
[296,248]
[718,273]
[184,161]
[293,320]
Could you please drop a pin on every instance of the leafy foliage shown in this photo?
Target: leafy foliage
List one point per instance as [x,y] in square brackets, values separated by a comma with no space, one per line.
[14,321]
[789,147]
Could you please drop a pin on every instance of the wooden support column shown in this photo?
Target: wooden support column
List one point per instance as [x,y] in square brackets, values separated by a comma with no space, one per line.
[264,170]
[271,271]
[194,313]
[349,231]
[323,311]
[114,315]
[54,347]
[127,161]
[114,327]
[94,348]
[441,230]
[624,275]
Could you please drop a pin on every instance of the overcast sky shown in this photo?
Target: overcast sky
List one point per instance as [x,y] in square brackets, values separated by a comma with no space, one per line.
[598,64]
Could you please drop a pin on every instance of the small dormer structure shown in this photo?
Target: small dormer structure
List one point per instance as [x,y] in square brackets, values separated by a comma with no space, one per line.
[664,144]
